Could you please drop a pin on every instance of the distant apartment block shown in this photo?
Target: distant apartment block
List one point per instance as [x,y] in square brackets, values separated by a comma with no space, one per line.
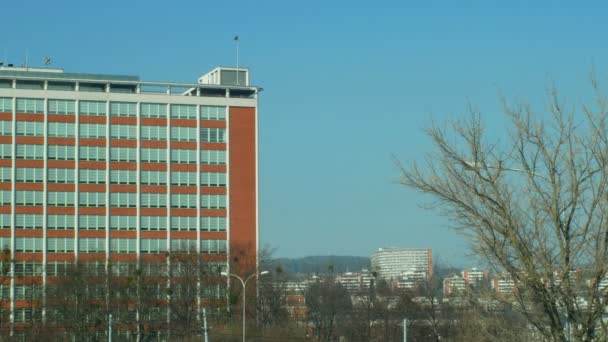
[355,281]
[393,263]
[503,284]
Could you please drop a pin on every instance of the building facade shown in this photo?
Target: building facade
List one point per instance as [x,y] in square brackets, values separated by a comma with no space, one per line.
[392,263]
[113,170]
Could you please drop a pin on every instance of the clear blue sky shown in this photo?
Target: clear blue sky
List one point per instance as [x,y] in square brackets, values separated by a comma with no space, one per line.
[347,85]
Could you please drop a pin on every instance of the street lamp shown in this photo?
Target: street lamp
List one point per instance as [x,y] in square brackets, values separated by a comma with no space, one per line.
[244,283]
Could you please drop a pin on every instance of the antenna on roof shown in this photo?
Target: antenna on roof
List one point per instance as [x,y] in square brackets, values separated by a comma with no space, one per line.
[236,39]
[46,60]
[26,55]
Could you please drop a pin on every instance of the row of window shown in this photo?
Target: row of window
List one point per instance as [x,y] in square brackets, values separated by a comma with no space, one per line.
[97,153]
[98,222]
[98,131]
[117,199]
[117,245]
[127,109]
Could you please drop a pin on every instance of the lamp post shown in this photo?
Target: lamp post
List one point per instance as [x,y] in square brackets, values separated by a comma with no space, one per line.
[244,283]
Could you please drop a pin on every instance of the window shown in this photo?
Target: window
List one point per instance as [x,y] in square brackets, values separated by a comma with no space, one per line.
[61,152]
[213,246]
[153,200]
[183,178]
[123,245]
[92,176]
[30,128]
[28,175]
[153,110]
[28,292]
[28,268]
[213,201]
[94,108]
[5,197]
[30,152]
[25,315]
[183,201]
[6,151]
[35,106]
[123,131]
[213,113]
[95,131]
[60,222]
[62,107]
[123,222]
[92,199]
[24,244]
[183,156]
[24,197]
[154,133]
[154,177]
[123,109]
[29,221]
[95,153]
[183,245]
[6,127]
[6,105]
[186,223]
[61,199]
[92,222]
[213,157]
[58,268]
[213,224]
[123,199]
[213,135]
[5,174]
[60,245]
[123,154]
[123,177]
[5,221]
[62,129]
[183,133]
[153,223]
[213,179]
[153,245]
[183,111]
[61,176]
[92,245]
[153,155]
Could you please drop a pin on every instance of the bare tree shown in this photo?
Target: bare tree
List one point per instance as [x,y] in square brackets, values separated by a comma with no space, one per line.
[327,302]
[534,206]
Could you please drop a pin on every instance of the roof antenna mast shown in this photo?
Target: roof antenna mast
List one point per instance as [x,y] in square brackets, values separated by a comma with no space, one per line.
[236,39]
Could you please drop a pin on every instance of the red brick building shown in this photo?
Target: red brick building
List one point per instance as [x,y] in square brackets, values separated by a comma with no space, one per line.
[113,170]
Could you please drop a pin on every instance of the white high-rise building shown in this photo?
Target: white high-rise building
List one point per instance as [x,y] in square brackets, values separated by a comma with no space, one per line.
[392,263]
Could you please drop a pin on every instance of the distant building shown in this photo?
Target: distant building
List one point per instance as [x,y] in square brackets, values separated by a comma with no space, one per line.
[454,283]
[393,263]
[410,280]
[503,284]
[476,278]
[355,281]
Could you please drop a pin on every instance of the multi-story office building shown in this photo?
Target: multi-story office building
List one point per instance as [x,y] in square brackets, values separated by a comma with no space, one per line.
[111,169]
[391,263]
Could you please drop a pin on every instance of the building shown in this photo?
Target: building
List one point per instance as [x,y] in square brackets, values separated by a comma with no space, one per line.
[503,284]
[112,170]
[454,284]
[476,278]
[391,263]
[355,281]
